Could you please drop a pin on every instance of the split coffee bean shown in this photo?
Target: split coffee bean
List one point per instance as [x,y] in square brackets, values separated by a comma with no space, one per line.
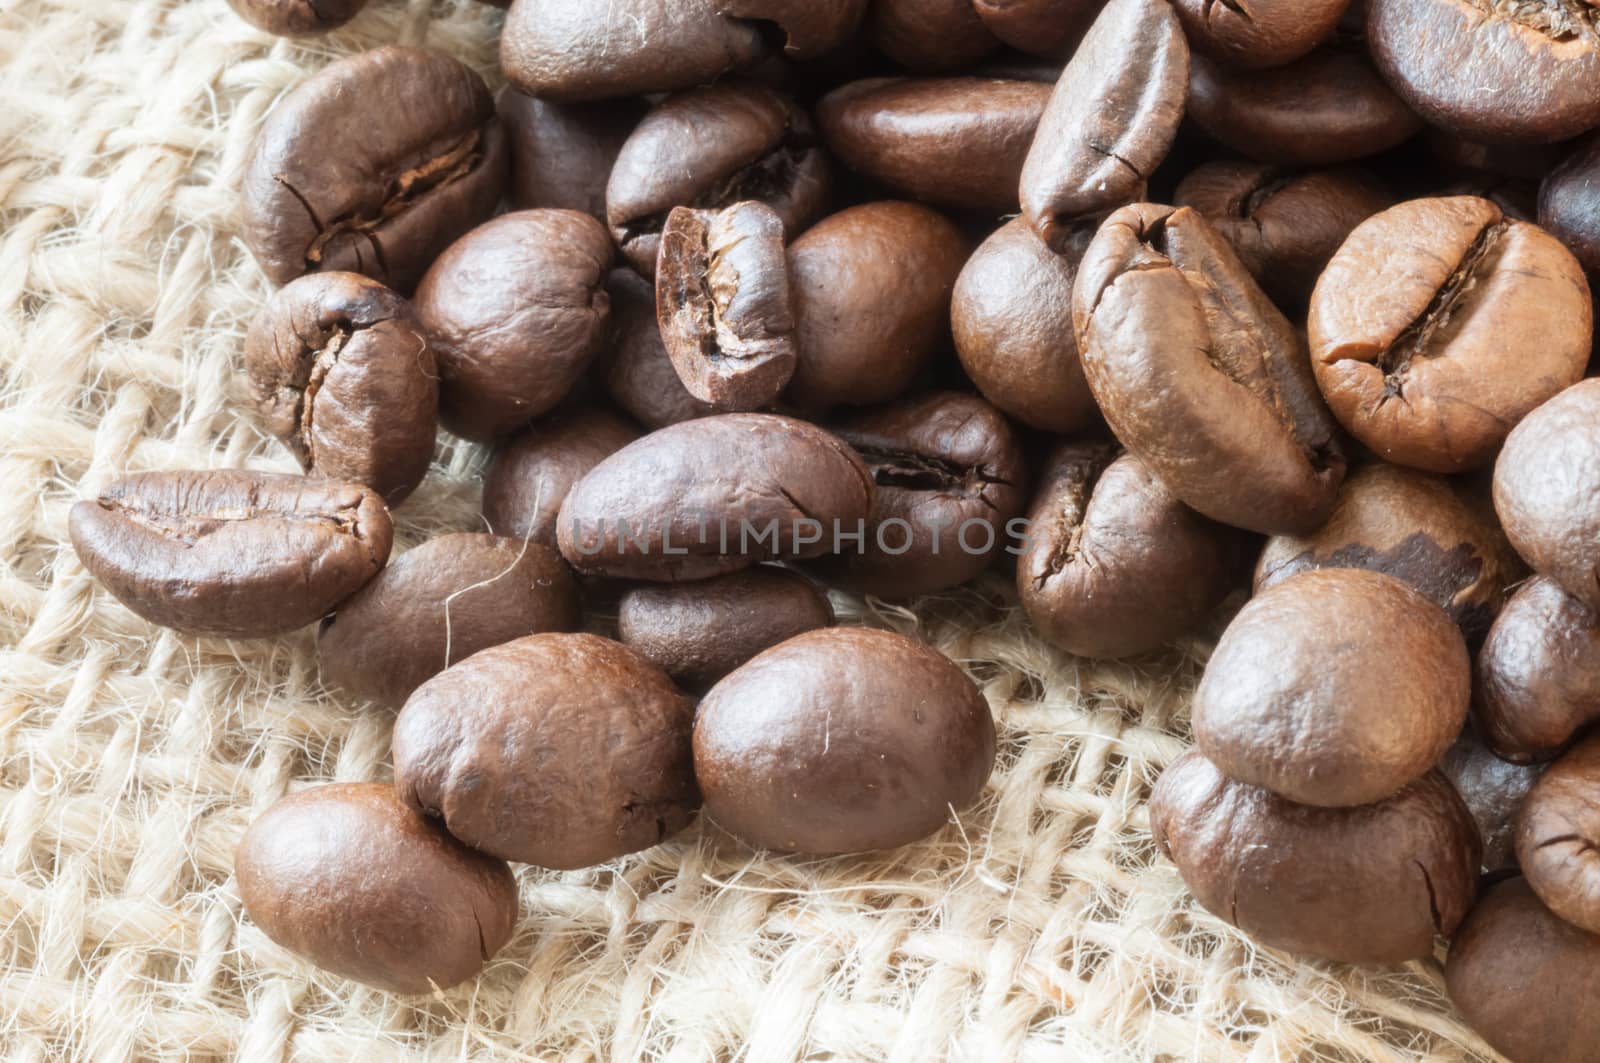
[1047,28]
[811,28]
[232,553]
[1493,790]
[1538,673]
[1558,836]
[438,604]
[531,473]
[929,35]
[360,885]
[297,18]
[1264,33]
[562,153]
[639,375]
[1569,203]
[373,165]
[343,374]
[842,740]
[558,750]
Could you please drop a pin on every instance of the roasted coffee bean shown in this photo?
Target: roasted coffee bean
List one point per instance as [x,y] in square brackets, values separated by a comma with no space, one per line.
[1526,161]
[1264,33]
[842,740]
[1525,979]
[1493,790]
[558,750]
[441,603]
[1371,884]
[373,165]
[1569,204]
[1440,324]
[1114,565]
[1327,108]
[872,291]
[811,28]
[1011,315]
[1201,376]
[699,632]
[1498,70]
[342,373]
[1336,687]
[929,35]
[1417,528]
[360,885]
[639,376]
[714,495]
[562,153]
[957,142]
[1038,27]
[1558,835]
[297,18]
[724,306]
[1284,224]
[1111,119]
[1538,673]
[532,472]
[951,476]
[229,552]
[712,148]
[517,310]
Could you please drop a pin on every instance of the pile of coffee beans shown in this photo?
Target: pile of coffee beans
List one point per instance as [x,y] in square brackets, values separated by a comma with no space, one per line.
[888,294]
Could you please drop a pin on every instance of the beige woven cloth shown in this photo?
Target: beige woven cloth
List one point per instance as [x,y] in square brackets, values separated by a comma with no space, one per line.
[1042,926]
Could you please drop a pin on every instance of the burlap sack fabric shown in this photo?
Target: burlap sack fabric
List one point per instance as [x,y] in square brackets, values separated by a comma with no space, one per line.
[1042,926]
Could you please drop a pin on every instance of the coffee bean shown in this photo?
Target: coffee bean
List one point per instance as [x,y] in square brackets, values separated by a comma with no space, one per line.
[958,142]
[1493,790]
[724,306]
[562,153]
[373,165]
[1538,673]
[811,28]
[1526,161]
[1201,376]
[699,632]
[1569,204]
[1114,565]
[562,751]
[1111,119]
[1358,885]
[231,553]
[1038,27]
[929,35]
[639,375]
[342,373]
[1264,34]
[360,885]
[297,18]
[1557,833]
[517,310]
[659,508]
[842,740]
[532,472]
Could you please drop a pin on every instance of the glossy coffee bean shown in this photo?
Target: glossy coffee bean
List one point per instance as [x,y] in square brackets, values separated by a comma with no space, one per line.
[343,375]
[929,35]
[420,159]
[360,885]
[562,751]
[1493,790]
[297,18]
[811,28]
[517,310]
[1114,565]
[957,142]
[1372,884]
[1039,27]
[1569,204]
[1334,688]
[1538,673]
[1265,33]
[1201,376]
[1440,324]
[1111,119]
[532,472]
[232,553]
[1557,833]
[639,376]
[842,740]
[699,632]
[562,153]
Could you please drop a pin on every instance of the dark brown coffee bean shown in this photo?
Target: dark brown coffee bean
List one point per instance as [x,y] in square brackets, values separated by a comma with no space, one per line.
[1440,324]
[811,28]
[929,35]
[342,373]
[1114,565]
[562,153]
[532,472]
[842,740]
[1558,836]
[1201,376]
[517,310]
[1538,673]
[297,18]
[699,632]
[714,495]
[373,165]
[724,306]
[360,885]
[957,142]
[872,291]
[709,149]
[1526,161]
[1417,528]
[1371,884]
[1111,119]
[1038,27]
[1493,790]
[1499,70]
[232,553]
[639,376]
[1569,204]
[1262,34]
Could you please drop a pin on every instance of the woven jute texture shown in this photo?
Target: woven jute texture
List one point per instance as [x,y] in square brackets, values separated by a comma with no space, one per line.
[1041,926]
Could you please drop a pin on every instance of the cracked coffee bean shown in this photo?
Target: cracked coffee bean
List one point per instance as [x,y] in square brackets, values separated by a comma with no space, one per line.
[1538,673]
[811,28]
[1493,790]
[724,306]
[1371,884]
[344,376]
[373,165]
[1260,33]
[1569,204]
[1558,836]
[532,472]
[842,740]
[929,35]
[1039,27]
[562,751]
[360,885]
[562,153]
[297,18]
[232,553]
[639,376]
[1440,324]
